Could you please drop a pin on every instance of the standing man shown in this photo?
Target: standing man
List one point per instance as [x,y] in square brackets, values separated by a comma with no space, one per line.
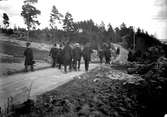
[59,56]
[107,54]
[77,56]
[53,54]
[87,56]
[28,53]
[67,57]
[101,55]
[118,51]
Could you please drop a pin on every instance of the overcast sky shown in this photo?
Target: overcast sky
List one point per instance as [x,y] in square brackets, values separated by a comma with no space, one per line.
[147,14]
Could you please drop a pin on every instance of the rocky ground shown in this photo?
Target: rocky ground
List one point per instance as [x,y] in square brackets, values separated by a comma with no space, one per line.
[102,92]
[106,91]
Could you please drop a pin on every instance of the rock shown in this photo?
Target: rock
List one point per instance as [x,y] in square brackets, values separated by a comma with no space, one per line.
[116,114]
[132,70]
[123,109]
[85,110]
[148,74]
[70,106]
[24,108]
[96,80]
[95,114]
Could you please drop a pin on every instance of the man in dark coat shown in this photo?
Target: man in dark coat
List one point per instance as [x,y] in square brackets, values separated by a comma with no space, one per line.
[101,55]
[107,54]
[77,56]
[28,53]
[118,51]
[67,57]
[59,56]
[87,56]
[53,54]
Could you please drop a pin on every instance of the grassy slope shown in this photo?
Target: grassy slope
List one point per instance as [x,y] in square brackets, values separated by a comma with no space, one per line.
[17,51]
[14,63]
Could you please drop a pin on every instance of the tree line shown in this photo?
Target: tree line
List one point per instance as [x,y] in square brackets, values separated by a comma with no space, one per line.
[81,31]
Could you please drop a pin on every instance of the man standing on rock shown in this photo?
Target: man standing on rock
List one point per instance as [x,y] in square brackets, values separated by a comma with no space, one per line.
[28,53]
[87,56]
[53,54]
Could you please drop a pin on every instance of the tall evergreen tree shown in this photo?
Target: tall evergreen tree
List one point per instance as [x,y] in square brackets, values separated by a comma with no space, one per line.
[30,13]
[102,27]
[5,20]
[68,24]
[55,17]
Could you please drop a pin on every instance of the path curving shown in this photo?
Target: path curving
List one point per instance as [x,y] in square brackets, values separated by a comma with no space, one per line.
[42,81]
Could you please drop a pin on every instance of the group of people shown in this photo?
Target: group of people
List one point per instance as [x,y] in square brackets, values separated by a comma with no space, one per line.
[107,52]
[69,55]
[66,55]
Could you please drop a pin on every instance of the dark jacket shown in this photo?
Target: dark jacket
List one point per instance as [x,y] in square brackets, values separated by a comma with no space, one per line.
[28,53]
[87,53]
[107,53]
[118,51]
[53,52]
[77,53]
[59,56]
[67,55]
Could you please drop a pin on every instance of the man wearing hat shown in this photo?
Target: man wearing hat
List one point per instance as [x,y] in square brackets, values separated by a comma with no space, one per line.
[77,56]
[86,53]
[53,54]
[107,53]
[59,56]
[67,56]
[28,53]
[101,54]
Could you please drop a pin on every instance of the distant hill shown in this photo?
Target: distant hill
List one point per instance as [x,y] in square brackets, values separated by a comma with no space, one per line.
[164,41]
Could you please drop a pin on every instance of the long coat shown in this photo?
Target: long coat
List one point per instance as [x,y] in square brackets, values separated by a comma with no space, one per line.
[87,53]
[53,52]
[67,55]
[59,56]
[77,53]
[28,53]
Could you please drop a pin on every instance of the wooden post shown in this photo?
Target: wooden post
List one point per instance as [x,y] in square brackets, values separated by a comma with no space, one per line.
[28,34]
[134,40]
[28,26]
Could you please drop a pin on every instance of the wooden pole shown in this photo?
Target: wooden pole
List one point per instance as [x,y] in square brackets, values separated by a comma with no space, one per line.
[28,34]
[134,40]
[28,26]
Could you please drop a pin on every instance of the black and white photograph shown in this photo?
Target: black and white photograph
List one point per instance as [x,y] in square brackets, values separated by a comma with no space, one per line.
[83,58]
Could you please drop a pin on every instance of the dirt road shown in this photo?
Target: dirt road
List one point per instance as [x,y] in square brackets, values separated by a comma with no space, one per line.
[42,81]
